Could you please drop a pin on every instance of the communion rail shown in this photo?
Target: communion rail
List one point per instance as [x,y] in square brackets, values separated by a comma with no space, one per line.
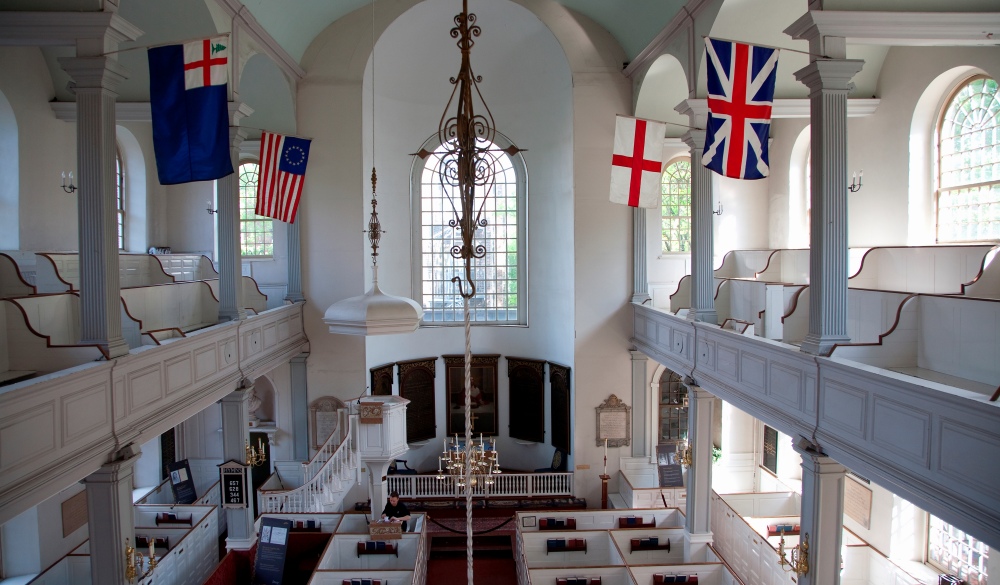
[504,485]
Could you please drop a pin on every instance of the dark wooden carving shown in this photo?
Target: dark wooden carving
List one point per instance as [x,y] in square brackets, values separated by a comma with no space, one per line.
[416,384]
[484,394]
[559,382]
[382,380]
[526,380]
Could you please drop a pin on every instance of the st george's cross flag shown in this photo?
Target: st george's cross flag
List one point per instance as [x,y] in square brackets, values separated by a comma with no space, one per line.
[188,95]
[636,162]
[283,162]
[740,95]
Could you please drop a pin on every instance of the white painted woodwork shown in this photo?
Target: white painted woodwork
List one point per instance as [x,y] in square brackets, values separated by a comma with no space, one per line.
[870,314]
[713,573]
[253,298]
[57,429]
[933,444]
[639,487]
[921,269]
[39,334]
[608,575]
[12,283]
[749,554]
[744,263]
[186,306]
[342,554]
[60,271]
[337,577]
[601,549]
[187,266]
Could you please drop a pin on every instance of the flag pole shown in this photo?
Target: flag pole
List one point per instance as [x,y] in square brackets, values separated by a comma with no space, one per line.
[225,34]
[766,46]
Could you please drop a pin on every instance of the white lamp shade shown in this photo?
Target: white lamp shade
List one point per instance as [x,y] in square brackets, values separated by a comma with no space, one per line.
[374,313]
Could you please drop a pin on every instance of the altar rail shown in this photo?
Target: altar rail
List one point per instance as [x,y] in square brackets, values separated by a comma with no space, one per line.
[504,485]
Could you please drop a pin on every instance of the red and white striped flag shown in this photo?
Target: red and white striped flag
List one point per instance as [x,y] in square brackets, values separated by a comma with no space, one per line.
[282,173]
[635,166]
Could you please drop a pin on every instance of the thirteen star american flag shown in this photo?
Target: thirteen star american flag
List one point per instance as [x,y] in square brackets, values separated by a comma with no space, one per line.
[636,162]
[740,95]
[282,173]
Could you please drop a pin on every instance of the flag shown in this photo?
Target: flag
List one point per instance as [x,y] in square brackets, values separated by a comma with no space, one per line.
[283,162]
[740,95]
[635,164]
[188,95]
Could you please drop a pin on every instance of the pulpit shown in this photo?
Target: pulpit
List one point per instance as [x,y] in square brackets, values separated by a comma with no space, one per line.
[381,424]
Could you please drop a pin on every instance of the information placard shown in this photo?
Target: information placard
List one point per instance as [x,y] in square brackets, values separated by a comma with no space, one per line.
[271,548]
[233,482]
[182,482]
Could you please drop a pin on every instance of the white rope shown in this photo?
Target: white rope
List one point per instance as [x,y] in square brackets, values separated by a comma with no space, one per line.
[468,439]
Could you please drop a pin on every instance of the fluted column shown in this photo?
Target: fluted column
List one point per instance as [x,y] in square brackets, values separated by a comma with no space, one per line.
[235,435]
[294,294]
[701,406]
[231,305]
[97,79]
[640,281]
[702,271]
[641,404]
[822,516]
[300,407]
[111,517]
[829,82]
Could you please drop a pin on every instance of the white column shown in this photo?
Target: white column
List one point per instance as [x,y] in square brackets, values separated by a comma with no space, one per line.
[829,82]
[640,404]
[294,294]
[702,271]
[640,282]
[97,79]
[231,305]
[300,407]
[235,434]
[110,517]
[378,486]
[701,406]
[822,516]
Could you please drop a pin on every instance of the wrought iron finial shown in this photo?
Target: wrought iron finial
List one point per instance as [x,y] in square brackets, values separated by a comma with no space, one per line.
[374,226]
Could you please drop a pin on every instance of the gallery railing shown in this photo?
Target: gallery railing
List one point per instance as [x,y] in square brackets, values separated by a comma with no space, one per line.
[504,485]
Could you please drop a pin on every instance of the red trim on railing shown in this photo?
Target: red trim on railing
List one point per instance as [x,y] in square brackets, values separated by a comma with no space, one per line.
[55,268]
[34,289]
[129,313]
[768,264]
[47,338]
[795,303]
[899,312]
[162,269]
[678,289]
[996,395]
[982,269]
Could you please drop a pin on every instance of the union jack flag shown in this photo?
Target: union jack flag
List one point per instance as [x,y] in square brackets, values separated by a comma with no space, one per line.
[740,95]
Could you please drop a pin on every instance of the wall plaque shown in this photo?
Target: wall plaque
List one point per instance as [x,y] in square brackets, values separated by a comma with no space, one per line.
[614,423]
[323,418]
[382,380]
[370,413]
[416,384]
[858,503]
[526,380]
[74,513]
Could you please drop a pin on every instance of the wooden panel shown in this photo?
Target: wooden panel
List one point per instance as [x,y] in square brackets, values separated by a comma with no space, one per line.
[416,384]
[381,380]
[484,393]
[26,435]
[526,380]
[74,513]
[559,385]
[178,373]
[84,411]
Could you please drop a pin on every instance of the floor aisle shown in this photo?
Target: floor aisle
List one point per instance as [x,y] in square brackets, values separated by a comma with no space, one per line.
[488,568]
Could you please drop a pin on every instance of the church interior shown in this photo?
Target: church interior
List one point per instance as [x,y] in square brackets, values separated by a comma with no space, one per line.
[794,379]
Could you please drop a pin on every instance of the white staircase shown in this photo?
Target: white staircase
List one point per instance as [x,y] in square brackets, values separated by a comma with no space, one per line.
[329,475]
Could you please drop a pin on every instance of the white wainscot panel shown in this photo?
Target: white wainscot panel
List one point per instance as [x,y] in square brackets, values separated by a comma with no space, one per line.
[845,407]
[902,429]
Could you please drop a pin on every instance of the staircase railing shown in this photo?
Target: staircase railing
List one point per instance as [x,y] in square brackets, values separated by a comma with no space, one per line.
[329,484]
[319,459]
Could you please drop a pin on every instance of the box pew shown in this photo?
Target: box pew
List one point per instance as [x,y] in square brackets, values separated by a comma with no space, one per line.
[12,284]
[871,314]
[332,577]
[786,265]
[40,334]
[637,548]
[168,311]
[924,343]
[681,299]
[596,575]
[987,285]
[342,554]
[60,271]
[707,574]
[573,548]
[184,267]
[72,569]
[743,263]
[310,522]
[253,299]
[921,269]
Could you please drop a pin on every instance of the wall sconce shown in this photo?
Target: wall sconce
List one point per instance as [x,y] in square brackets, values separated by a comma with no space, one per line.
[718,211]
[209,209]
[255,455]
[855,185]
[135,562]
[68,186]
[686,456]
[798,561]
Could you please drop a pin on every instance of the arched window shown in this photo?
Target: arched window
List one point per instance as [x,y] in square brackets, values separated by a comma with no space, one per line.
[120,196]
[968,197]
[500,276]
[256,232]
[676,207]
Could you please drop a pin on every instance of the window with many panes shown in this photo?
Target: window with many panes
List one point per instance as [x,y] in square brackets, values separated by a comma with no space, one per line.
[673,409]
[968,197]
[120,196]
[256,231]
[676,207]
[499,276]
[956,553]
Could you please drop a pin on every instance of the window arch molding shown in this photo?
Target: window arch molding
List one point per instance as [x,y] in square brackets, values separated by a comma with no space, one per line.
[500,298]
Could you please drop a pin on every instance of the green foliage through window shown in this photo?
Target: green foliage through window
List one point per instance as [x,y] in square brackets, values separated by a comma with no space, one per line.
[675,224]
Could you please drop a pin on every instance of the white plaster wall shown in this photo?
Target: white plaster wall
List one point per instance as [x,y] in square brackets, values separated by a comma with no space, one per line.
[883,514]
[47,149]
[34,540]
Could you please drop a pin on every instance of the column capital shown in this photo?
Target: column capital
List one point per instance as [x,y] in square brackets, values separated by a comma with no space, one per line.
[638,356]
[237,111]
[829,75]
[94,72]
[696,110]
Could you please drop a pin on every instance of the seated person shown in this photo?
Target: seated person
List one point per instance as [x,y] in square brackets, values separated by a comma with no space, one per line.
[395,511]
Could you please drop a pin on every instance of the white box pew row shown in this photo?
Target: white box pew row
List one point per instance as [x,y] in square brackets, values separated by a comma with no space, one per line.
[169,311]
[921,269]
[40,334]
[60,271]
[12,284]
[639,488]
[706,573]
[749,554]
[681,299]
[581,576]
[187,266]
[645,546]
[871,314]
[253,299]
[330,577]
[343,554]
[924,343]
[987,285]
[743,263]
[547,549]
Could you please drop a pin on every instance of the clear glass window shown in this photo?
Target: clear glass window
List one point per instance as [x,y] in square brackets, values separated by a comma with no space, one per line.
[956,553]
[256,232]
[676,207]
[120,196]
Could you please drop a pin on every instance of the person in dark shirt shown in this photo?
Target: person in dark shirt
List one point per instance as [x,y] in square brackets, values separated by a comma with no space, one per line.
[395,511]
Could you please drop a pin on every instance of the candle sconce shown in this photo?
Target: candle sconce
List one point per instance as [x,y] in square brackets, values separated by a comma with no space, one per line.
[255,455]
[67,185]
[798,559]
[685,456]
[718,210]
[855,185]
[135,562]
[210,210]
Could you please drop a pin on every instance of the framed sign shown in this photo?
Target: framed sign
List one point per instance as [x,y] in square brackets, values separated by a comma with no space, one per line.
[614,423]
[858,503]
[526,380]
[272,545]
[416,384]
[323,418]
[233,482]
[74,513]
[182,482]
[382,380]
[483,394]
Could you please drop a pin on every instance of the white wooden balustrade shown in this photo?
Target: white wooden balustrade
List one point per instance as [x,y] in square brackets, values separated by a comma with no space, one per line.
[504,485]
